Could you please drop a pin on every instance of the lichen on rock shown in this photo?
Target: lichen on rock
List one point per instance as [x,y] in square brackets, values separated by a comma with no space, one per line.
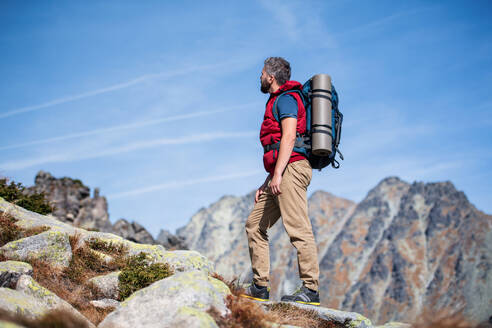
[50,246]
[161,304]
[107,285]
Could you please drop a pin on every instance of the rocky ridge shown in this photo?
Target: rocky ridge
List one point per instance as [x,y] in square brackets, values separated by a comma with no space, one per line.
[185,296]
[402,249]
[74,204]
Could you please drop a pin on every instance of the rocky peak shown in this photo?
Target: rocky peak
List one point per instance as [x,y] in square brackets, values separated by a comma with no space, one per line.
[74,205]
[72,201]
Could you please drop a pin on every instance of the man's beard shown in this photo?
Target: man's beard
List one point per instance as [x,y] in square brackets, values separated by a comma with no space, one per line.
[265,86]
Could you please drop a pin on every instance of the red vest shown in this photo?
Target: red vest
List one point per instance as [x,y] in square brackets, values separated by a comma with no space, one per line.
[270,131]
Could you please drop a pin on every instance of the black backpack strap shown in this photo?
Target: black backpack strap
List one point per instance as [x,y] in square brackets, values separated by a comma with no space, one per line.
[300,143]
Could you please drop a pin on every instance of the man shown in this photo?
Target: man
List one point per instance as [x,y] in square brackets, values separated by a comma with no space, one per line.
[284,191]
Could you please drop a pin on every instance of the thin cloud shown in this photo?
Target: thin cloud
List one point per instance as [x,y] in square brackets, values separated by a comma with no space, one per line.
[77,156]
[119,86]
[382,21]
[181,183]
[135,125]
[285,16]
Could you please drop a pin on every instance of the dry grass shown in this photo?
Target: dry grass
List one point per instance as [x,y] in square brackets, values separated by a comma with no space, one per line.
[52,319]
[108,247]
[249,314]
[290,314]
[10,231]
[78,294]
[243,313]
[71,283]
[233,284]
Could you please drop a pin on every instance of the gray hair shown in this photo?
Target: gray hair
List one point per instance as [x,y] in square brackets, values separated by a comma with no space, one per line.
[279,68]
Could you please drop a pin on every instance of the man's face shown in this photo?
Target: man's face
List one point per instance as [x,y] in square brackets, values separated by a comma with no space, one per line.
[266,81]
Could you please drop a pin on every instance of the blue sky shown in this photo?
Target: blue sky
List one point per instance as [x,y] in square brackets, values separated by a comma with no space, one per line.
[157,103]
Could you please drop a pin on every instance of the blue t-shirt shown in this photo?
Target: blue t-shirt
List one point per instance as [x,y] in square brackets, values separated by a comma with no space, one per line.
[287,107]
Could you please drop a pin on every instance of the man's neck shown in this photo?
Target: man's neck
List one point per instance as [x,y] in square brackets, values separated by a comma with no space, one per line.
[274,87]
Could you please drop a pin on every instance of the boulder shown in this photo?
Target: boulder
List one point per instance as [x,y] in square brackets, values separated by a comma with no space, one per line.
[350,319]
[10,271]
[193,318]
[50,246]
[105,303]
[6,324]
[107,285]
[29,287]
[132,231]
[182,260]
[178,298]
[16,302]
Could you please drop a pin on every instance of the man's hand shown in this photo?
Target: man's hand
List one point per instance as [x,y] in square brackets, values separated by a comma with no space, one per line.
[275,184]
[262,188]
[287,142]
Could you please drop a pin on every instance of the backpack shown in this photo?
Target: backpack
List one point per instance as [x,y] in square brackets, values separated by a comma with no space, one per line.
[303,142]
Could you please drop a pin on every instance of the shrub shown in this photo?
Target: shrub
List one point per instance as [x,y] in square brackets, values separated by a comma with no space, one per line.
[16,193]
[138,274]
[85,263]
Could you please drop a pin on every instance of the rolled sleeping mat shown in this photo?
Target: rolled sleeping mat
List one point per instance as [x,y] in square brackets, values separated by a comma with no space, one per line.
[322,120]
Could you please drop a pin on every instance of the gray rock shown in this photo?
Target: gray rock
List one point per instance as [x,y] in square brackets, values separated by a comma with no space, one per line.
[6,324]
[132,231]
[105,303]
[168,240]
[107,285]
[193,318]
[50,246]
[10,272]
[16,302]
[182,261]
[28,286]
[171,300]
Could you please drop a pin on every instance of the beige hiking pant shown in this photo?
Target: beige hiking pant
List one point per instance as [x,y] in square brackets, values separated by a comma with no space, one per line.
[291,204]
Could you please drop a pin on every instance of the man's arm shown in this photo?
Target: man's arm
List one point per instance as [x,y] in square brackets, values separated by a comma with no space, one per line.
[287,141]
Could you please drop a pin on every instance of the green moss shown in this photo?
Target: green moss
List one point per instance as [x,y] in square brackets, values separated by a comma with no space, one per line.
[138,273]
[17,194]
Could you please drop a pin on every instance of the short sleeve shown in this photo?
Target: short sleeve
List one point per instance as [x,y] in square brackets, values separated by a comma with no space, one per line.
[287,107]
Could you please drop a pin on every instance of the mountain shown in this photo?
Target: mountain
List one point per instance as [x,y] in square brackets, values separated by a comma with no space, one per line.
[404,249]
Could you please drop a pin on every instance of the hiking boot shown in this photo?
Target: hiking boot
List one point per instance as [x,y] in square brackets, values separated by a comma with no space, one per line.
[257,293]
[302,295]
